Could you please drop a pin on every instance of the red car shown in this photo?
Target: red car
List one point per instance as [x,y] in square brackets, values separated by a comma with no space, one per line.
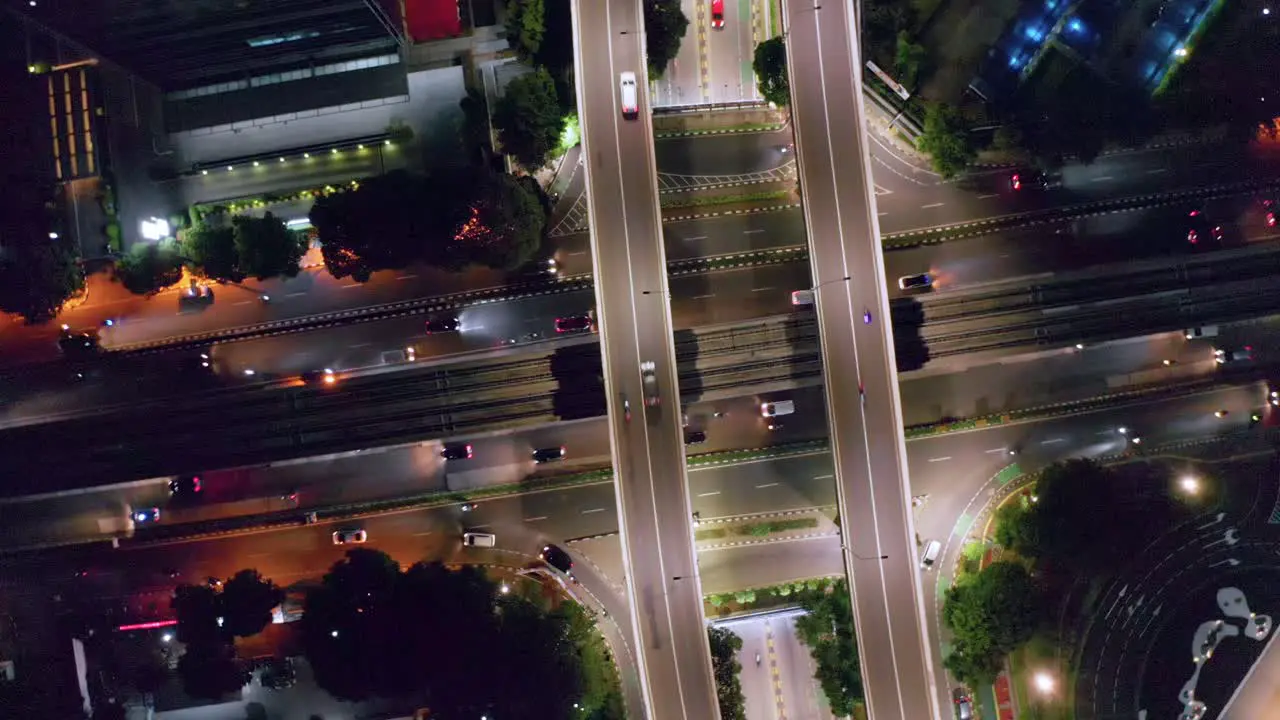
[717,14]
[573,323]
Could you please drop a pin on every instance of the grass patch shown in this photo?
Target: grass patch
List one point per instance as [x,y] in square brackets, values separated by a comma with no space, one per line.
[759,529]
[1040,654]
[710,200]
[775,18]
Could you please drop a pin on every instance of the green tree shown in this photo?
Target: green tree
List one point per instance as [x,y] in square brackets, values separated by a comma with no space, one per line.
[946,139]
[211,671]
[266,248]
[991,616]
[37,276]
[529,119]
[501,223]
[210,247]
[148,268]
[556,53]
[726,668]
[770,66]
[247,600]
[665,25]
[827,629]
[344,627]
[198,610]
[974,669]
[909,60]
[1015,528]
[526,26]
[601,692]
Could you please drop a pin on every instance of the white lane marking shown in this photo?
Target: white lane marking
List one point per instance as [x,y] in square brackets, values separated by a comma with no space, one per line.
[930,205]
[941,459]
[1104,178]
[766,485]
[763,289]
[359,345]
[592,510]
[717,492]
[1054,441]
[244,302]
[536,519]
[348,287]
[695,237]
[406,277]
[994,450]
[881,214]
[703,297]
[429,532]
[751,232]
[1157,171]
[824,477]
[300,293]
[576,254]
[988,197]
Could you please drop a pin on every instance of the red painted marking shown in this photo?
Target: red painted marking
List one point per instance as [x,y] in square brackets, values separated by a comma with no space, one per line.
[1004,699]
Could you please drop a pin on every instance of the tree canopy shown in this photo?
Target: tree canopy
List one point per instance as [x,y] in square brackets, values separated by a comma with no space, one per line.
[665,26]
[526,26]
[827,629]
[243,246]
[210,247]
[726,668]
[1122,507]
[991,616]
[770,66]
[148,268]
[39,268]
[265,247]
[529,119]
[946,139]
[469,215]
[372,630]
[246,602]
[208,621]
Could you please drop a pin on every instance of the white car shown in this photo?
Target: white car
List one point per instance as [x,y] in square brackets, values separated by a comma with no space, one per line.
[630,95]
[350,537]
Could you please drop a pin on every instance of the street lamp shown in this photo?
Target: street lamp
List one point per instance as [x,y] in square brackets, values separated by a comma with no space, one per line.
[1044,683]
[1189,484]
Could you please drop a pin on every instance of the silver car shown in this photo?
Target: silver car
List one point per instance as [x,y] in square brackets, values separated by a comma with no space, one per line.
[649,377]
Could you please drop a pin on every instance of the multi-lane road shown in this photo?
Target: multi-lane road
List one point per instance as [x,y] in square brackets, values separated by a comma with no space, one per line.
[640,378]
[864,415]
[952,471]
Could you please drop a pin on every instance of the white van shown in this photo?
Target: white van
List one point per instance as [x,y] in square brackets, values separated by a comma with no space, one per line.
[776,408]
[802,298]
[930,554]
[1204,331]
[630,97]
[479,539]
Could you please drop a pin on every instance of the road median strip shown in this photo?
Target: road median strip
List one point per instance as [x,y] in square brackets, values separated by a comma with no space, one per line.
[727,130]
[687,200]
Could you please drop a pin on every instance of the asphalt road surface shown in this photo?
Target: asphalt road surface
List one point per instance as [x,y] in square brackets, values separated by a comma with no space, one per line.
[639,365]
[861,378]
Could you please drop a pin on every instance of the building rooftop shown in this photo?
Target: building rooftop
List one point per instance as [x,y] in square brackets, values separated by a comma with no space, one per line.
[182,44]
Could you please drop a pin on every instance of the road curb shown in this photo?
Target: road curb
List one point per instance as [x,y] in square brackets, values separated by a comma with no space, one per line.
[762,128]
[745,211]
